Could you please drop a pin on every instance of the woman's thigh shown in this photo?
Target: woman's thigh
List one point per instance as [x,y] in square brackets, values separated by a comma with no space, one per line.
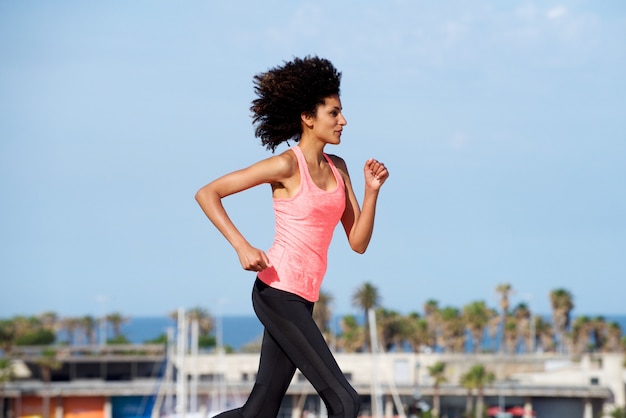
[288,319]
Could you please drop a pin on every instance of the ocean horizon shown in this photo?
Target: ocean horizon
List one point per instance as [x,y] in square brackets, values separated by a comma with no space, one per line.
[241,330]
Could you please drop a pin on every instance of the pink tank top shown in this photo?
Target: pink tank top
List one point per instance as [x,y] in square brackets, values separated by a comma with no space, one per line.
[304,228]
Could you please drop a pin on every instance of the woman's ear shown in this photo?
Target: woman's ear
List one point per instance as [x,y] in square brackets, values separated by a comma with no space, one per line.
[307,120]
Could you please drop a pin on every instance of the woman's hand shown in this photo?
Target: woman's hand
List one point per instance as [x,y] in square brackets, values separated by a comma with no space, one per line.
[253,259]
[375,173]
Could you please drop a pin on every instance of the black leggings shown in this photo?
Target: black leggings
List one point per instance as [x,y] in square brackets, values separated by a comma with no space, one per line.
[292,340]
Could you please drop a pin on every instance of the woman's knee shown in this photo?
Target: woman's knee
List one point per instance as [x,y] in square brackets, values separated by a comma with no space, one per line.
[356,403]
[342,404]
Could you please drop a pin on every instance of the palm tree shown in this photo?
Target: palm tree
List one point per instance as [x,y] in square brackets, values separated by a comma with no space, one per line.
[613,338]
[581,329]
[386,328]
[27,324]
[71,325]
[205,322]
[31,331]
[504,290]
[352,336]
[50,320]
[437,373]
[393,329]
[468,383]
[433,319]
[47,362]
[544,332]
[599,330]
[89,325]
[493,327]
[204,318]
[366,297]
[522,316]
[476,316]
[452,330]
[322,313]
[618,413]
[477,378]
[562,304]
[6,375]
[417,332]
[511,334]
[7,335]
[116,320]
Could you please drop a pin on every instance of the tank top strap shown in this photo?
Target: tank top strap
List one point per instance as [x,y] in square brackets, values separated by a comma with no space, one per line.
[305,176]
[336,173]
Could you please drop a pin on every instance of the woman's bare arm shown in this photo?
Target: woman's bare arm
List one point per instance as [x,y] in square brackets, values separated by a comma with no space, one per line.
[357,222]
[272,170]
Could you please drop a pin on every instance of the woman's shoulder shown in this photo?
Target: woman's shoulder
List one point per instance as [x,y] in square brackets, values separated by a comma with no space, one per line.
[338,161]
[285,163]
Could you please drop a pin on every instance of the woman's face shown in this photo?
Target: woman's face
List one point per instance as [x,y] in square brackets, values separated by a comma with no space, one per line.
[329,121]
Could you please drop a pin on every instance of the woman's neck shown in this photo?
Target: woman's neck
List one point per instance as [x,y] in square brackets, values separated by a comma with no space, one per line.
[313,150]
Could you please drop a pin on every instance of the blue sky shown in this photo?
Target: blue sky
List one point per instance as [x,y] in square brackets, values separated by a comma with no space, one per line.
[502,124]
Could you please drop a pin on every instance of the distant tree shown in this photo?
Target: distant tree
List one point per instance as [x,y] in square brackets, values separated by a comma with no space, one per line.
[47,362]
[207,341]
[544,333]
[322,313]
[504,290]
[116,320]
[469,384]
[160,339]
[253,346]
[71,325]
[433,320]
[118,340]
[6,375]
[366,297]
[437,373]
[562,304]
[50,320]
[493,327]
[7,335]
[613,337]
[511,334]
[26,324]
[206,323]
[581,333]
[523,317]
[418,332]
[477,378]
[476,316]
[22,330]
[618,412]
[352,335]
[393,329]
[452,330]
[36,337]
[599,331]
[89,325]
